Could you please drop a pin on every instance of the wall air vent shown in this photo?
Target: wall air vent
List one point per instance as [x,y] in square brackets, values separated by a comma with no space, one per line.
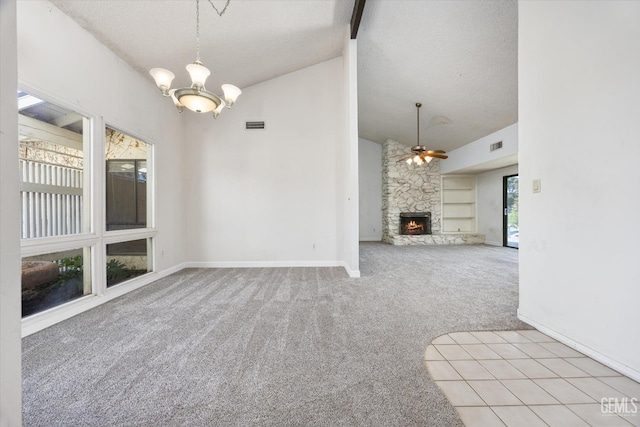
[495,146]
[255,125]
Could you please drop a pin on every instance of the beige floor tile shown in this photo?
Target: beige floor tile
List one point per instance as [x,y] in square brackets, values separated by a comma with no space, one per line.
[507,351]
[558,416]
[464,338]
[533,350]
[518,416]
[480,351]
[561,350]
[479,417]
[563,369]
[494,393]
[596,388]
[453,352]
[441,370]
[529,392]
[443,339]
[491,377]
[563,391]
[487,337]
[460,393]
[593,415]
[632,419]
[629,387]
[535,336]
[592,367]
[471,370]
[502,370]
[432,354]
[532,368]
[512,336]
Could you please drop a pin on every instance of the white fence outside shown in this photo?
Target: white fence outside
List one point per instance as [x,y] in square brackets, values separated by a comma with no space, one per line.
[51,197]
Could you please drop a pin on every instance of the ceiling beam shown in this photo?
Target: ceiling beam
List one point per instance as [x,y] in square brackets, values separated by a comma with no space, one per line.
[32,129]
[67,119]
[27,101]
[356,16]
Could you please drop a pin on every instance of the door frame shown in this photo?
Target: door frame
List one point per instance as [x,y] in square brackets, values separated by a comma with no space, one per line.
[505,216]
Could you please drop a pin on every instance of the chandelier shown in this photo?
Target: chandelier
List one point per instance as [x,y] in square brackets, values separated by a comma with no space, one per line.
[196,98]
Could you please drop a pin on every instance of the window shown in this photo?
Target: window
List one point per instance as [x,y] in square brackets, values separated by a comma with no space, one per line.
[127,260]
[69,248]
[127,207]
[53,143]
[126,194]
[126,181]
[52,279]
[52,176]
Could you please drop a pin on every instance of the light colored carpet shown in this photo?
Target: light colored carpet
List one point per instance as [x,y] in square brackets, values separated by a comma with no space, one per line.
[272,346]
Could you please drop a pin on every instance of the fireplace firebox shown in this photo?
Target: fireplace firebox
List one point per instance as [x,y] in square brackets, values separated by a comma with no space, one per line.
[415,223]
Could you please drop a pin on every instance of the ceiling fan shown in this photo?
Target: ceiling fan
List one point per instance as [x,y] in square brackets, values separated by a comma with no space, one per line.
[420,155]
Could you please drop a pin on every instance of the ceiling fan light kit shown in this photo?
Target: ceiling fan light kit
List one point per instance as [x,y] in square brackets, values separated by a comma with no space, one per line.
[196,98]
[420,155]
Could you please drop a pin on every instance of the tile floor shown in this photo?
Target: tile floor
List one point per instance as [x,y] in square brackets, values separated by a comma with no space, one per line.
[525,378]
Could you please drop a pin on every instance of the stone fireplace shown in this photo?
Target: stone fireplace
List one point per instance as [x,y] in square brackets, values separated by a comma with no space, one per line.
[409,190]
[415,223]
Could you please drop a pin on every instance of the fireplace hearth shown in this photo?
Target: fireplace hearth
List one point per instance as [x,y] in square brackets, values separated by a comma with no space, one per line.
[415,223]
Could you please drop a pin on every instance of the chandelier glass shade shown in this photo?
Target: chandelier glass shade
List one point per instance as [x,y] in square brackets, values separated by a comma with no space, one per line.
[196,97]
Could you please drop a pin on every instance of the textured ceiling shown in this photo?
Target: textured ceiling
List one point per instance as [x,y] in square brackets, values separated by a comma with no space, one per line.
[459,58]
[254,41]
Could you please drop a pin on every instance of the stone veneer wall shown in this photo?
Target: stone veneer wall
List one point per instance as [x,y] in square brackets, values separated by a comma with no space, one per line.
[412,188]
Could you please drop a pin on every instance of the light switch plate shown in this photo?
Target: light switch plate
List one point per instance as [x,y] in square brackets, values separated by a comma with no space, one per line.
[536,186]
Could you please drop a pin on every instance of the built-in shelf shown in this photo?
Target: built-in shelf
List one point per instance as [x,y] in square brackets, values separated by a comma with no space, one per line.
[458,204]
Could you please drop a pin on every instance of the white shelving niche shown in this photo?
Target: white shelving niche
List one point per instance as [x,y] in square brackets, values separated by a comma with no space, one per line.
[458,204]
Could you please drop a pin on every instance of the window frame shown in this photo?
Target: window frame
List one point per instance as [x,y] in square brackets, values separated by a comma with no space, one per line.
[94,235]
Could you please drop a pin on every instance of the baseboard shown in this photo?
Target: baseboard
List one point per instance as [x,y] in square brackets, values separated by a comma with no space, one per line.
[595,355]
[40,321]
[493,243]
[271,264]
[355,274]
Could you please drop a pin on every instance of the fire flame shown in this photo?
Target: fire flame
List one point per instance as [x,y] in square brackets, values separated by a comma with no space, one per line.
[413,226]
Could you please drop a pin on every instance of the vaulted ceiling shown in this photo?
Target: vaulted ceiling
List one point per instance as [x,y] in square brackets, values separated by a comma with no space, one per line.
[459,58]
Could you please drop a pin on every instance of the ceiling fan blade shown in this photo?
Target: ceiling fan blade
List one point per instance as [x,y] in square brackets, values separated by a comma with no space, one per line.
[438,155]
[404,159]
[436,151]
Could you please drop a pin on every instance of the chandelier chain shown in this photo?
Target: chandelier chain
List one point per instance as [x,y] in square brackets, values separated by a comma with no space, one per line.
[197,30]
[216,9]
[220,13]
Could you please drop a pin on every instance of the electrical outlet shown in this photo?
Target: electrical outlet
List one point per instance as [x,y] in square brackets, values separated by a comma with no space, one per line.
[314,246]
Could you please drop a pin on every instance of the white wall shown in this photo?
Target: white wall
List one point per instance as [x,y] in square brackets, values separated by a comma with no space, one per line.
[347,161]
[478,153]
[579,103]
[370,183]
[489,206]
[268,197]
[10,304]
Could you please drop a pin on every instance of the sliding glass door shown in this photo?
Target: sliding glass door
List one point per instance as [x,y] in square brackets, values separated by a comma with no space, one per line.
[511,233]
